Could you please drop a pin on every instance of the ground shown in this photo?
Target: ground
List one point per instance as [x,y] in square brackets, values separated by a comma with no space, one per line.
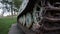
[15,30]
[5,24]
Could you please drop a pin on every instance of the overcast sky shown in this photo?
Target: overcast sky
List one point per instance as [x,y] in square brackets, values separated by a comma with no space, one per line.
[1,5]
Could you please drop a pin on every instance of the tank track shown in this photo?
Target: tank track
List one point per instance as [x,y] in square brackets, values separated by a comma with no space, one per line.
[41,16]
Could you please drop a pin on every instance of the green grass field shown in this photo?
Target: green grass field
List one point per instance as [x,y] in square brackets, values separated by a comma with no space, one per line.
[5,24]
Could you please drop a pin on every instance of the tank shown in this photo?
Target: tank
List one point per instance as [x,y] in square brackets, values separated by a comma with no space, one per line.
[39,16]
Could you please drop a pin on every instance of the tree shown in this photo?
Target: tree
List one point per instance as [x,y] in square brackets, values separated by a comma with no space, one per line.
[17,4]
[3,8]
[10,3]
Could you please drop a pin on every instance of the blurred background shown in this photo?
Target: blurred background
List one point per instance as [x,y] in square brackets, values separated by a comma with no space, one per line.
[9,10]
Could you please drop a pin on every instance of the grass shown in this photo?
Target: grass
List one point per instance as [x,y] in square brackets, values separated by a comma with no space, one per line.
[5,24]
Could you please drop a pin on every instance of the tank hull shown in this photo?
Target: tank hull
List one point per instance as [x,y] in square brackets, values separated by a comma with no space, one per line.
[40,17]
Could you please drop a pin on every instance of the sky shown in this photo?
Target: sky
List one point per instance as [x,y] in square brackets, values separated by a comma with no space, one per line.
[1,7]
[0,11]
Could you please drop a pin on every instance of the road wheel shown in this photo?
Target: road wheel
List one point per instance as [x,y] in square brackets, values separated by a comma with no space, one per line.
[24,20]
[28,20]
[21,20]
[36,14]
